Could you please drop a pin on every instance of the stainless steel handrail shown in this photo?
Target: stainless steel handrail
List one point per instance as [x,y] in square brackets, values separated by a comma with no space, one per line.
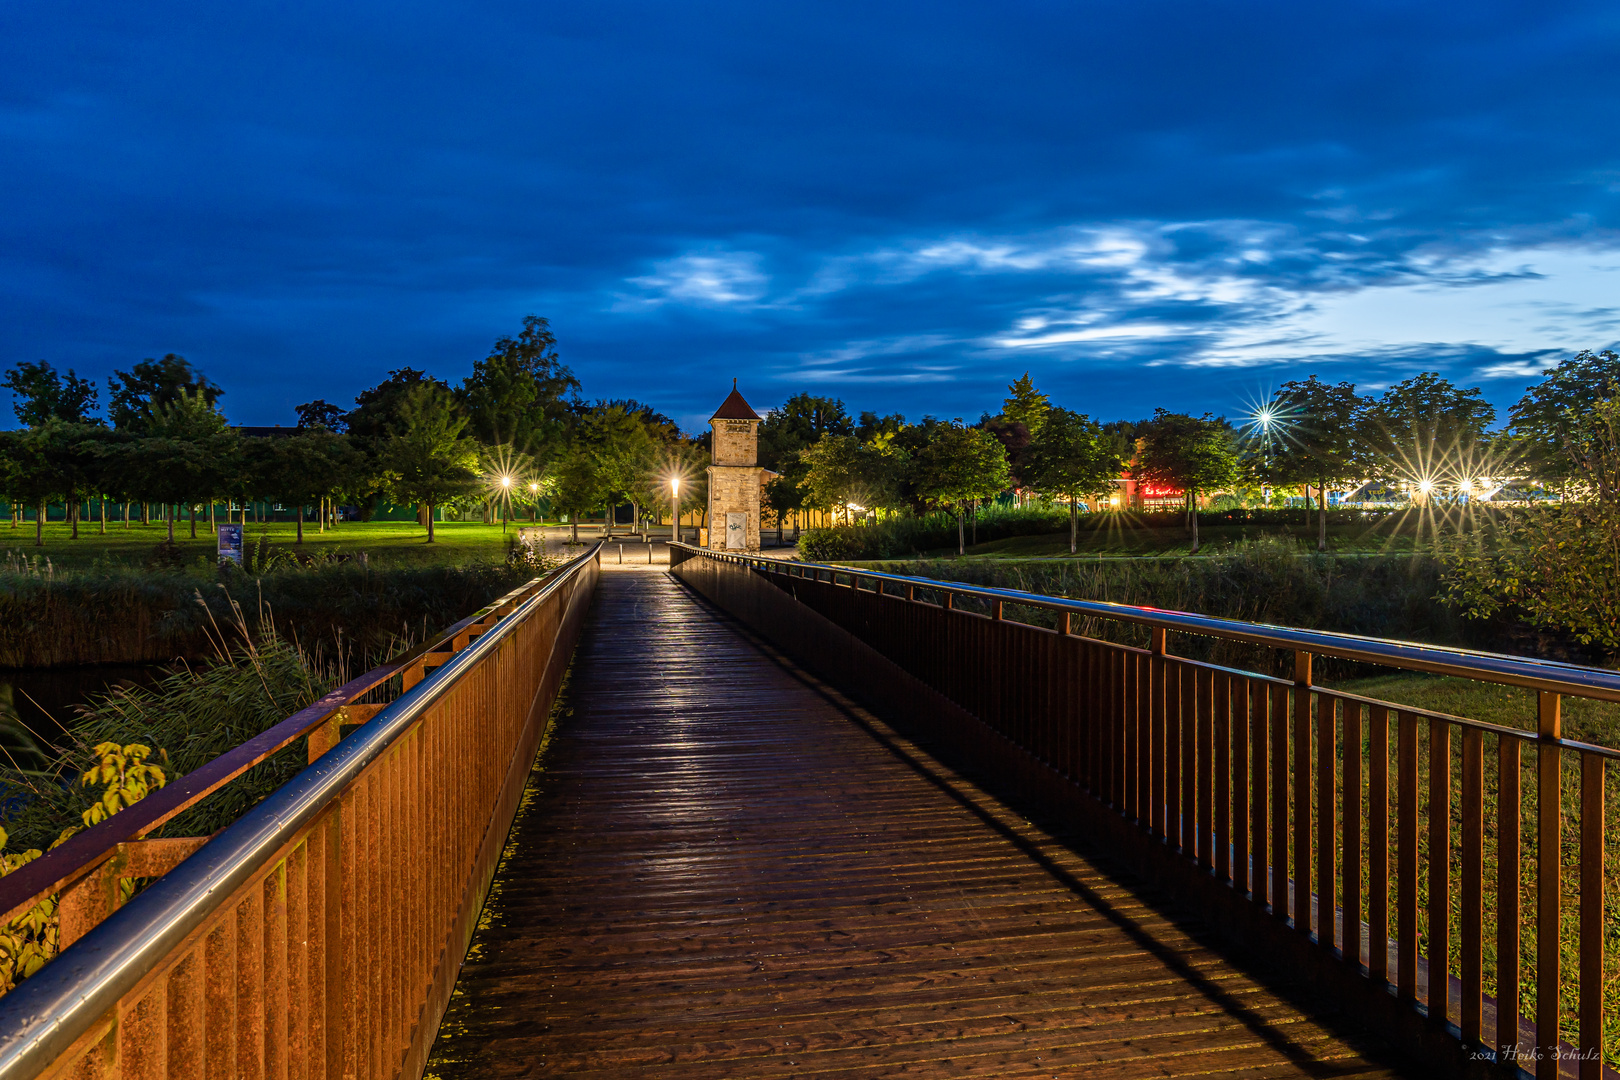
[1549,675]
[41,1018]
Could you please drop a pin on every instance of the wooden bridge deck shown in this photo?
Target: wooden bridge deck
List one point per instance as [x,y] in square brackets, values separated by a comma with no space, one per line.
[725,869]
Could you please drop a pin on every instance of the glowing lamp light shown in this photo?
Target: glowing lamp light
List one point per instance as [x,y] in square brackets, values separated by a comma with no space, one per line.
[1425,486]
[506,481]
[859,509]
[534,488]
[1264,417]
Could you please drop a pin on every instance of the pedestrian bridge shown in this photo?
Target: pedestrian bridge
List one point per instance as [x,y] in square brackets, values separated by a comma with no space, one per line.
[743,817]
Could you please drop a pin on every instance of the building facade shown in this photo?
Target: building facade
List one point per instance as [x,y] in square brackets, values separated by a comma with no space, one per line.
[735,477]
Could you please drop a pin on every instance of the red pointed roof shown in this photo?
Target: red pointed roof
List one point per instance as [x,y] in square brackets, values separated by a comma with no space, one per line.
[734,407]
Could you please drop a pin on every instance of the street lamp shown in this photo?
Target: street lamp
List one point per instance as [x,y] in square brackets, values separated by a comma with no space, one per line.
[1264,417]
[506,500]
[675,508]
[534,506]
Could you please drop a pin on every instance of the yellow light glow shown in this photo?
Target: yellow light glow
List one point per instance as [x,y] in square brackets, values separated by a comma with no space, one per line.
[534,487]
[856,507]
[1425,486]
[506,481]
[675,485]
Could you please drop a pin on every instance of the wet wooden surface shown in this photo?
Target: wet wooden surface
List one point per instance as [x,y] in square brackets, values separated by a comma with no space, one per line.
[725,870]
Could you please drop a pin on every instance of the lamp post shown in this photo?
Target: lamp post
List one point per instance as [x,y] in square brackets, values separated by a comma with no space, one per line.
[1264,418]
[675,508]
[506,500]
[534,502]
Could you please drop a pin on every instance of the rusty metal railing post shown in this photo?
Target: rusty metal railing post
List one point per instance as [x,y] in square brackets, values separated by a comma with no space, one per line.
[1549,855]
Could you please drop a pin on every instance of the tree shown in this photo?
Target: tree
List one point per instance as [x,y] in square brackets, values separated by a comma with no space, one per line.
[1554,416]
[430,460]
[133,396]
[515,395]
[841,472]
[1426,429]
[1073,458]
[378,413]
[1316,439]
[303,469]
[1557,566]
[55,461]
[43,394]
[1014,438]
[624,452]
[1190,452]
[956,466]
[579,485]
[797,424]
[320,415]
[1026,405]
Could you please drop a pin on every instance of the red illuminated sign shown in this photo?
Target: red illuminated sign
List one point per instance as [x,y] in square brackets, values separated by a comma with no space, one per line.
[1154,491]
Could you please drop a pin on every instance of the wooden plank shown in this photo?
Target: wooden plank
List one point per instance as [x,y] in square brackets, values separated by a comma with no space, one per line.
[676,903]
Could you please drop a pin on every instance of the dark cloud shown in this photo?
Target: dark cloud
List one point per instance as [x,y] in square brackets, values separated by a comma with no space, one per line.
[906,205]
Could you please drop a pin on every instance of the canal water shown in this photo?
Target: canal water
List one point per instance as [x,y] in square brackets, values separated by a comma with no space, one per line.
[43,700]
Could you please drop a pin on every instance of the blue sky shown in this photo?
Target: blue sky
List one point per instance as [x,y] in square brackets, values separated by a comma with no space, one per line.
[904,205]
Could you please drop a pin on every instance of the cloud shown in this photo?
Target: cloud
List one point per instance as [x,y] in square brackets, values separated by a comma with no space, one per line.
[725,278]
[1092,333]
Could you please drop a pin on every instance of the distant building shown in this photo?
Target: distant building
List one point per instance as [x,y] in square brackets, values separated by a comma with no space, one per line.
[735,478]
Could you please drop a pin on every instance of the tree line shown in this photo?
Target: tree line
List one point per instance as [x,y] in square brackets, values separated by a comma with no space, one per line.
[1310,436]
[513,432]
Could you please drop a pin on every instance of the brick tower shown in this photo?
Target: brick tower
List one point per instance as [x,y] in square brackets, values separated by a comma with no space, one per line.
[734,478]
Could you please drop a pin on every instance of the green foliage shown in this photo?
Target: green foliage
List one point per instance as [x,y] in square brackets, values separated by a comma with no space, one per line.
[334,606]
[1424,427]
[840,470]
[137,396]
[1194,453]
[1267,580]
[1072,457]
[1558,567]
[1026,405]
[1554,414]
[899,537]
[430,460]
[515,395]
[797,425]
[1312,440]
[28,942]
[43,394]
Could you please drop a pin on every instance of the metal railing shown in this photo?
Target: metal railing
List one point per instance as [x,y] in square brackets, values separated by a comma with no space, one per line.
[1392,838]
[320,934]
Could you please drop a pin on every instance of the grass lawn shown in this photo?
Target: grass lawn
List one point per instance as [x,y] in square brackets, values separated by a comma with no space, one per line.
[1585,720]
[398,543]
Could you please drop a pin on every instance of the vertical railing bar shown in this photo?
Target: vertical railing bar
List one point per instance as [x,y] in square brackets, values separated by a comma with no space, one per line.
[1471,962]
[1221,837]
[1509,878]
[1301,745]
[1378,844]
[1439,869]
[1279,802]
[1238,706]
[1350,831]
[1259,789]
[1591,924]
[1406,878]
[1549,857]
[1326,823]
